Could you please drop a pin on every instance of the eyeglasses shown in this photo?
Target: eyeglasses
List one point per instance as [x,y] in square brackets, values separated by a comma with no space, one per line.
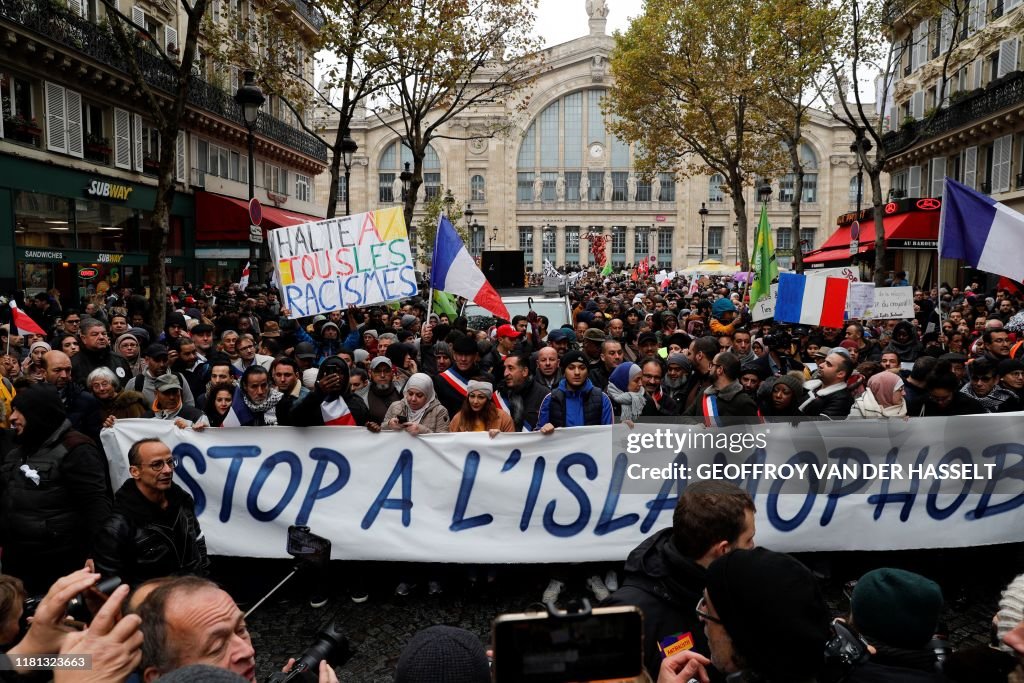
[702,611]
[159,465]
[983,378]
[248,347]
[72,320]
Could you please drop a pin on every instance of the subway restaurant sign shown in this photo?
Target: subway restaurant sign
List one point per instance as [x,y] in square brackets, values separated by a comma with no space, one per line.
[101,188]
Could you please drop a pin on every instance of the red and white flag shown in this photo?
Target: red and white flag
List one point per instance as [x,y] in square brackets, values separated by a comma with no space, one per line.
[244,281]
[336,413]
[23,322]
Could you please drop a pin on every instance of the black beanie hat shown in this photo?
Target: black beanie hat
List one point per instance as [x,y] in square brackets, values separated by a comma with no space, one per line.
[465,344]
[896,607]
[443,654]
[773,611]
[572,357]
[43,410]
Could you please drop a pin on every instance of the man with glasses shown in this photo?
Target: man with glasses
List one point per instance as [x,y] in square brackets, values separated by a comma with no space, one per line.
[153,530]
[983,385]
[1011,377]
[247,356]
[996,342]
[659,402]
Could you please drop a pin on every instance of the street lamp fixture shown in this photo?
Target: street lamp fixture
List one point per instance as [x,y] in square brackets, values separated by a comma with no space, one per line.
[406,178]
[490,240]
[860,148]
[703,219]
[348,150]
[250,98]
[449,201]
[764,192]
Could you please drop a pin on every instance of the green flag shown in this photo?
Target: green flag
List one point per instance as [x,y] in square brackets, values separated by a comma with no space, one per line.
[766,268]
[607,270]
[443,304]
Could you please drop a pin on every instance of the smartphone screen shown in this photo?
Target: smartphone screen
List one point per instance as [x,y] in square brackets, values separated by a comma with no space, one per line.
[536,648]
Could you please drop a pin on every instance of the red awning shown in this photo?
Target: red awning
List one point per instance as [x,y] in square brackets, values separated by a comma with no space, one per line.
[220,218]
[904,228]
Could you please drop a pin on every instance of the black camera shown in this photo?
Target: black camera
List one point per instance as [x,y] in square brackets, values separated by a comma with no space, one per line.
[844,652]
[780,341]
[76,607]
[330,644]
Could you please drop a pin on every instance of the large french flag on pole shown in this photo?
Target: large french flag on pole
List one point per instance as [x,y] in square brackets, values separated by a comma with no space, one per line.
[454,271]
[811,300]
[984,233]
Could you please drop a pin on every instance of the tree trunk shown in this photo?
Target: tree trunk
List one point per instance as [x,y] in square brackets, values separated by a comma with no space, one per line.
[739,205]
[160,225]
[414,187]
[874,172]
[335,171]
[794,207]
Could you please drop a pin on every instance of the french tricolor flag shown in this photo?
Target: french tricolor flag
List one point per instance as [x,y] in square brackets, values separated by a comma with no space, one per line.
[454,271]
[984,233]
[336,413]
[811,300]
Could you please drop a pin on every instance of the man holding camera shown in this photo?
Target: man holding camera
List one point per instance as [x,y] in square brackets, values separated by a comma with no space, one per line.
[153,530]
[665,574]
[189,620]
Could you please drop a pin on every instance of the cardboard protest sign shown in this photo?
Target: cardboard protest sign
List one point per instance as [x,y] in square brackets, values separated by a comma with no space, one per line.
[340,262]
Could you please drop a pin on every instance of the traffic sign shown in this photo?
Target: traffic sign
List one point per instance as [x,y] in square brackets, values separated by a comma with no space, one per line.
[256,234]
[255,211]
[854,238]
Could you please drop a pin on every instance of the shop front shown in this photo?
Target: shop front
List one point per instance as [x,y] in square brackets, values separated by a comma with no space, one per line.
[911,240]
[222,237]
[82,233]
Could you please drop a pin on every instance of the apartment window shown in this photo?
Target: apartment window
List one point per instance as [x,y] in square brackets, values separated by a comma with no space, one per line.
[810,195]
[548,244]
[786,188]
[303,186]
[807,237]
[524,186]
[619,246]
[572,186]
[275,179]
[715,192]
[855,191]
[431,185]
[549,178]
[668,187]
[784,239]
[476,188]
[715,240]
[343,193]
[150,149]
[526,243]
[572,245]
[392,163]
[641,243]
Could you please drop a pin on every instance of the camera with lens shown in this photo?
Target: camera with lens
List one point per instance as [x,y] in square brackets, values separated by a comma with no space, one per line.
[76,609]
[330,644]
[780,341]
[844,652]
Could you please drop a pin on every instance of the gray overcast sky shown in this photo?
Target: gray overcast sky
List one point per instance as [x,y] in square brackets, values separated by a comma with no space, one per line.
[559,21]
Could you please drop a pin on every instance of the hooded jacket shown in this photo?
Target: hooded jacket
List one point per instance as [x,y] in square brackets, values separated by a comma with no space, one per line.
[666,586]
[307,411]
[572,406]
[907,351]
[142,541]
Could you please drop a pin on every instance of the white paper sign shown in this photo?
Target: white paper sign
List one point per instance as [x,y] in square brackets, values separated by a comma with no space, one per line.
[860,299]
[891,303]
[765,308]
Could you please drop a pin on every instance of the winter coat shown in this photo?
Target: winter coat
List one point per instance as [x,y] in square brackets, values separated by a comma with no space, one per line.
[434,420]
[833,402]
[142,541]
[866,406]
[666,586]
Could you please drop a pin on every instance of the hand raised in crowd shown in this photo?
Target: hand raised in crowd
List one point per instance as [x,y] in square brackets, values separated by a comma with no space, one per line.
[330,384]
[49,627]
[426,334]
[683,667]
[113,642]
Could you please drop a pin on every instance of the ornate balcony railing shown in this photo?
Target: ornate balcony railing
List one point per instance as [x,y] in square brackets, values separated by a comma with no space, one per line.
[55,22]
[976,106]
[310,13]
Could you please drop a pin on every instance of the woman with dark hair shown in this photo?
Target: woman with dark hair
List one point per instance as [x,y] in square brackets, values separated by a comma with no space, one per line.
[218,403]
[780,398]
[68,343]
[330,402]
[479,414]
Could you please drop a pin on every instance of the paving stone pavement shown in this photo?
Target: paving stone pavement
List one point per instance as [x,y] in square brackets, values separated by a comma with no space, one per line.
[378,629]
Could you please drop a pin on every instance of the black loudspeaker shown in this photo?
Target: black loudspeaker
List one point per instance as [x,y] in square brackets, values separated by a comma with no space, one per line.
[504,269]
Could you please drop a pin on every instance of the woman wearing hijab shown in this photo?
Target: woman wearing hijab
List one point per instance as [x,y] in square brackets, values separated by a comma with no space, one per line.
[330,402]
[479,414]
[33,367]
[419,412]
[626,392]
[882,398]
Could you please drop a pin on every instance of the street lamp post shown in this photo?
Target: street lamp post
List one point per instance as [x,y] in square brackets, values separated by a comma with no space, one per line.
[250,98]
[406,178]
[860,148]
[471,226]
[348,149]
[703,218]
[490,240]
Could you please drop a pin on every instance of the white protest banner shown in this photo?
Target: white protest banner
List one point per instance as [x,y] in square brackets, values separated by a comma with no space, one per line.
[765,308]
[340,262]
[592,493]
[860,299]
[848,273]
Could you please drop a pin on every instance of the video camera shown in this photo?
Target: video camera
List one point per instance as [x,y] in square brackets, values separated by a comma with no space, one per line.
[76,609]
[330,644]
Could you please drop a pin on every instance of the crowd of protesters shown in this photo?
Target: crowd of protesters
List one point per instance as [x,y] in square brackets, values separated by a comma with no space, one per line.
[632,350]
